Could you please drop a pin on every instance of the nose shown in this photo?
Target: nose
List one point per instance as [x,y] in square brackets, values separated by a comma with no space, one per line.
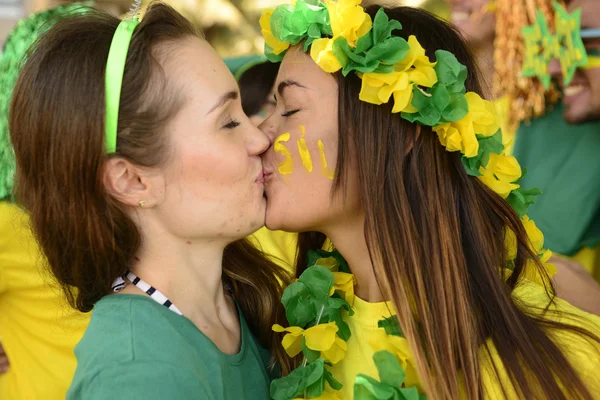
[268,128]
[259,142]
[554,69]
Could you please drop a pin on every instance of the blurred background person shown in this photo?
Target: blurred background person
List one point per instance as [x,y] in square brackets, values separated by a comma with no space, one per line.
[561,158]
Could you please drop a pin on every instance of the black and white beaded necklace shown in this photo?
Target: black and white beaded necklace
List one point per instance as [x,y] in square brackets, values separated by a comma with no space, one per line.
[155,294]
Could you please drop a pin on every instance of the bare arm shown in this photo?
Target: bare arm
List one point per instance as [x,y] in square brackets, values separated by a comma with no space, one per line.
[575,285]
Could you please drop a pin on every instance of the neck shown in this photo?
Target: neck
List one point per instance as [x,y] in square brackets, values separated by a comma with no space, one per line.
[484,58]
[188,273]
[349,239]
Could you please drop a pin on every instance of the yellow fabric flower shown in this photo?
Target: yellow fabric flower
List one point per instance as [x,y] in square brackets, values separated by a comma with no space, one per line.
[533,274]
[329,262]
[322,337]
[510,243]
[500,173]
[460,135]
[336,352]
[274,43]
[321,51]
[292,342]
[415,69]
[536,237]
[348,19]
[344,284]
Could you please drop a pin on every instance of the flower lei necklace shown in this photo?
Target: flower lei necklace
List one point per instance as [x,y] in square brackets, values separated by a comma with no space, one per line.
[314,307]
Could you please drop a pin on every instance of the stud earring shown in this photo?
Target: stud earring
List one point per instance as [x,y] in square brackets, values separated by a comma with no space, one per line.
[142,203]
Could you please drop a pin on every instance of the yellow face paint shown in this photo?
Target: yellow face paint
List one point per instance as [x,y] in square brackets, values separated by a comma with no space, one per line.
[303,150]
[287,165]
[593,62]
[328,173]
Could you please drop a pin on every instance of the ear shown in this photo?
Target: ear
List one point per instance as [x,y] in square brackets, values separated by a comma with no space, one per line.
[127,183]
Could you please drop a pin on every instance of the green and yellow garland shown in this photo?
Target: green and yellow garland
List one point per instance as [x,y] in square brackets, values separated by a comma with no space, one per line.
[341,36]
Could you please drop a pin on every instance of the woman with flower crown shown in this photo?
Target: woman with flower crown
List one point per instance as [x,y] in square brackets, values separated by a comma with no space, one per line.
[439,283]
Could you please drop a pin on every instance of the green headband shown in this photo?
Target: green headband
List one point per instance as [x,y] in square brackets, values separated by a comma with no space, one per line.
[115,68]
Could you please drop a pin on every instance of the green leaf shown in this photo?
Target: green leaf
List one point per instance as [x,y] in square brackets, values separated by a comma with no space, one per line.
[520,199]
[390,51]
[367,388]
[311,355]
[440,97]
[365,42]
[391,326]
[380,24]
[313,255]
[335,315]
[390,371]
[456,109]
[297,381]
[450,72]
[299,307]
[487,146]
[410,393]
[333,383]
[319,281]
[316,389]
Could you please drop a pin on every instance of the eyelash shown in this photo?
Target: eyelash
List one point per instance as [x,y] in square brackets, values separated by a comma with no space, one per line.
[289,113]
[232,124]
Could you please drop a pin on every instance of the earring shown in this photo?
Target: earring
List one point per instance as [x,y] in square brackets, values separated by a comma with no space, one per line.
[142,203]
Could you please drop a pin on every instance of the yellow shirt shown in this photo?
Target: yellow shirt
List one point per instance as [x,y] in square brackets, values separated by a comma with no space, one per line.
[278,245]
[367,338]
[38,329]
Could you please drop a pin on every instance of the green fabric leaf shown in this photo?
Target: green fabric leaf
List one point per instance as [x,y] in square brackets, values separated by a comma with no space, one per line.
[300,309]
[389,51]
[334,315]
[367,388]
[297,381]
[390,370]
[333,383]
[428,114]
[305,20]
[391,326]
[316,389]
[313,255]
[275,58]
[456,109]
[520,199]
[319,281]
[383,27]
[450,72]
[311,355]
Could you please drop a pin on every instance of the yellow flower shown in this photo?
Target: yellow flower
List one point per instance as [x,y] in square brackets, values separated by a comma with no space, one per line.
[321,338]
[321,51]
[344,284]
[348,19]
[274,43]
[460,135]
[292,342]
[533,274]
[500,173]
[415,69]
[510,243]
[536,237]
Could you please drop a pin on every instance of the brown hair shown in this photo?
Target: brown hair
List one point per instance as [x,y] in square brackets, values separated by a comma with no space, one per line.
[436,239]
[57,130]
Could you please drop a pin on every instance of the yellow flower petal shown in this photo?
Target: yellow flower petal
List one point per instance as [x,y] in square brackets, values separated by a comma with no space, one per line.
[321,51]
[292,342]
[274,43]
[500,173]
[483,114]
[321,337]
[329,262]
[337,352]
[348,19]
[510,243]
[535,235]
[344,284]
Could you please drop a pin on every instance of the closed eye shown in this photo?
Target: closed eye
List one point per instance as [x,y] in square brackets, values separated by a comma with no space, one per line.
[290,113]
[232,124]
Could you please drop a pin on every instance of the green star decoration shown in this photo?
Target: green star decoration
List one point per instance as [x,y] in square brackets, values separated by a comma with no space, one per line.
[539,49]
[572,54]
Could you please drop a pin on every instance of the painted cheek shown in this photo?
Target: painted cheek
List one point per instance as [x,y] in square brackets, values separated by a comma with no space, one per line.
[325,171]
[287,165]
[303,150]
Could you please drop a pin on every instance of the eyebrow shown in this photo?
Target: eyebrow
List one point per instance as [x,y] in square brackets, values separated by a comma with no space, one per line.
[287,83]
[233,95]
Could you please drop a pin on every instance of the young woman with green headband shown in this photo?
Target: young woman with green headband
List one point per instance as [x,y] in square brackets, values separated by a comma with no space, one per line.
[142,176]
[439,285]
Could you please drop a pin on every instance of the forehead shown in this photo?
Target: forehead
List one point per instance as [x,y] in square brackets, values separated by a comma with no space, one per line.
[197,70]
[299,67]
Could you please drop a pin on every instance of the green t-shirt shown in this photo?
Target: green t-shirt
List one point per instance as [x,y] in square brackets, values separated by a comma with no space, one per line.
[135,348]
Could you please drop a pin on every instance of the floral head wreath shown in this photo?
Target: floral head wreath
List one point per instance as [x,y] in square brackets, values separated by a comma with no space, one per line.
[341,36]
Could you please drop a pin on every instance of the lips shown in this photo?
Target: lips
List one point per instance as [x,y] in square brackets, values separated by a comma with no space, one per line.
[266,173]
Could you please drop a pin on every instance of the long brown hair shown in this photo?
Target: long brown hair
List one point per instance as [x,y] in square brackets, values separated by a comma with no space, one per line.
[57,129]
[436,240]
